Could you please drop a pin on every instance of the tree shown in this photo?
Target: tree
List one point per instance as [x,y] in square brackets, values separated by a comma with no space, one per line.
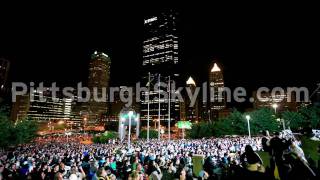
[6,128]
[294,120]
[200,130]
[194,131]
[312,115]
[105,137]
[238,123]
[152,134]
[222,127]
[234,124]
[110,134]
[263,119]
[12,134]
[25,131]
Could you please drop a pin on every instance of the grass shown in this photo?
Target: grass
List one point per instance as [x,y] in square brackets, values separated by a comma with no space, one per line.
[309,147]
[265,158]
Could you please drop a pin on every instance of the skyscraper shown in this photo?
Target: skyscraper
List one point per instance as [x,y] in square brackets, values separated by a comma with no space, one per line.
[160,43]
[42,107]
[98,83]
[52,108]
[285,102]
[192,110]
[217,97]
[4,69]
[160,58]
[20,108]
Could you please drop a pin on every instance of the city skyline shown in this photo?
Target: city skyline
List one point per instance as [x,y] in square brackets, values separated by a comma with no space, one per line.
[159,91]
[244,47]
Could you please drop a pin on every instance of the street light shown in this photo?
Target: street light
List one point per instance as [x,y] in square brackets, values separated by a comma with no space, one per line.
[65,132]
[137,121]
[275,106]
[60,122]
[283,124]
[248,121]
[49,125]
[121,127]
[130,113]
[84,124]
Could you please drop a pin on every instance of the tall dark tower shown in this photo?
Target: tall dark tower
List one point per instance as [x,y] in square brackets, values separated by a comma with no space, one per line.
[160,56]
[4,69]
[99,75]
[217,97]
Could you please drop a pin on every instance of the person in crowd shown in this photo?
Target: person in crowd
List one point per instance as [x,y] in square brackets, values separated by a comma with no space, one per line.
[77,173]
[253,163]
[300,167]
[1,171]
[102,174]
[52,158]
[154,171]
[278,146]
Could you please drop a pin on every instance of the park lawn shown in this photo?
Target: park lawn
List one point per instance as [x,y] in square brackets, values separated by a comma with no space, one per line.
[265,158]
[309,147]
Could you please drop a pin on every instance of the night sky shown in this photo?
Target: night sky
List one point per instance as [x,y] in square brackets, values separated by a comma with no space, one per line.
[269,46]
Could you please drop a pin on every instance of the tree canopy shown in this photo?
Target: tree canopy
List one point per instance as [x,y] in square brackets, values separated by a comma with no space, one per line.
[260,120]
[12,133]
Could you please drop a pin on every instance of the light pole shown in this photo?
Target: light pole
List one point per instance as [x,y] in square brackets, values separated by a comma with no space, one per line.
[169,118]
[130,113]
[283,124]
[121,128]
[66,133]
[159,116]
[275,106]
[84,125]
[49,126]
[248,121]
[137,120]
[148,116]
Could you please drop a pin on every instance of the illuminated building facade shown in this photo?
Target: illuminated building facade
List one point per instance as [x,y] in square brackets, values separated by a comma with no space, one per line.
[216,88]
[51,109]
[20,108]
[283,101]
[192,112]
[160,56]
[42,109]
[161,42]
[99,75]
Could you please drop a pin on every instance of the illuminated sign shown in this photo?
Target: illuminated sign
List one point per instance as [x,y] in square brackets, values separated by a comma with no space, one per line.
[184,125]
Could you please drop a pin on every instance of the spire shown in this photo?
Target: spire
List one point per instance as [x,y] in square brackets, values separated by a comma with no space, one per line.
[191,81]
[215,68]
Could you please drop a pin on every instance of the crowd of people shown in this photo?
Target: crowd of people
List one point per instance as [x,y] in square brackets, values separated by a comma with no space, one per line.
[217,158]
